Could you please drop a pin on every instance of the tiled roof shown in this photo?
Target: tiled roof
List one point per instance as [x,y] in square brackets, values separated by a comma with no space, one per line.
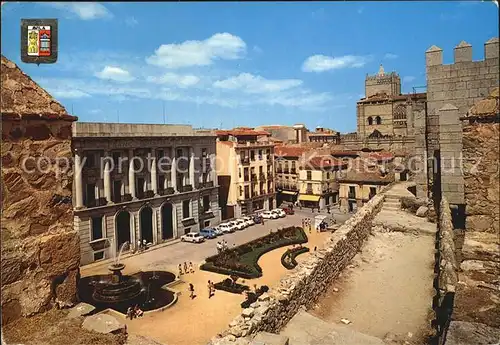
[241,132]
[22,98]
[363,176]
[381,156]
[344,153]
[289,151]
[319,162]
[386,97]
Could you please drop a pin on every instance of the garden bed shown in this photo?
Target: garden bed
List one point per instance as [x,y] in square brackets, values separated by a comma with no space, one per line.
[230,285]
[242,261]
[288,257]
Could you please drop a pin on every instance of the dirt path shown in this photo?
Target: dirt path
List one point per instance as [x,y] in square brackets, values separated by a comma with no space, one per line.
[387,288]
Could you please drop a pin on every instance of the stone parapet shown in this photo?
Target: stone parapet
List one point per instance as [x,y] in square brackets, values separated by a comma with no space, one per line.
[301,288]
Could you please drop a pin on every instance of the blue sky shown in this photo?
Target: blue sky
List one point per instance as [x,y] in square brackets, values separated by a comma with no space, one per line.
[239,64]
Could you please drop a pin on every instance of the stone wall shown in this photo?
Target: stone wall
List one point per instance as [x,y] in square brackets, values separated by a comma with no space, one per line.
[481,175]
[40,249]
[446,271]
[302,287]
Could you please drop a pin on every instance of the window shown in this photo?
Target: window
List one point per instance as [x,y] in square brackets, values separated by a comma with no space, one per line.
[370,120]
[90,160]
[98,256]
[309,187]
[309,175]
[96,228]
[117,190]
[116,159]
[203,153]
[241,191]
[206,203]
[373,192]
[178,153]
[187,230]
[239,172]
[161,182]
[207,223]
[252,155]
[378,120]
[186,209]
[140,186]
[90,194]
[260,154]
[260,170]
[160,154]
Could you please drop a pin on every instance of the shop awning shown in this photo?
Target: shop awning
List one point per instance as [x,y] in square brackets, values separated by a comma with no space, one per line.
[288,192]
[304,197]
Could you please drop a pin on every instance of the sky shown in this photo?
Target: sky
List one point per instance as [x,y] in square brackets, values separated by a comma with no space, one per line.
[228,64]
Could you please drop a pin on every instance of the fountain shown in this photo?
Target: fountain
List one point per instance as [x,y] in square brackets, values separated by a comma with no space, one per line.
[118,291]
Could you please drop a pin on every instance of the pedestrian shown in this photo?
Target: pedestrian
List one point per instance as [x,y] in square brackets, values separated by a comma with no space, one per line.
[328,209]
[315,248]
[212,286]
[191,291]
[130,314]
[180,270]
[144,244]
[219,247]
[209,286]
[191,268]
[139,245]
[262,221]
[186,267]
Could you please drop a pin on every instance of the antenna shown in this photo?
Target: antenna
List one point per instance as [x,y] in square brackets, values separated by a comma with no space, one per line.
[118,114]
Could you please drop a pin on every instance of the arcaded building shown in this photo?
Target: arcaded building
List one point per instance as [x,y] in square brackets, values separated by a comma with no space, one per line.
[385,112]
[139,182]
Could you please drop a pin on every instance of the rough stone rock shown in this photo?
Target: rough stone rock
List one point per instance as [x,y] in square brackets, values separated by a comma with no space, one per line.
[135,339]
[264,297]
[466,333]
[66,291]
[103,323]
[422,211]
[81,309]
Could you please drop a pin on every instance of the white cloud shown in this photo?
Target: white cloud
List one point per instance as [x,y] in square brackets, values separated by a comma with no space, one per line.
[178,80]
[68,93]
[199,53]
[408,79]
[250,83]
[131,21]
[114,73]
[83,10]
[321,63]
[390,56]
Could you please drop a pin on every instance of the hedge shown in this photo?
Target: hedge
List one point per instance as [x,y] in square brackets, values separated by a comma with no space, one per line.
[229,286]
[292,253]
[246,256]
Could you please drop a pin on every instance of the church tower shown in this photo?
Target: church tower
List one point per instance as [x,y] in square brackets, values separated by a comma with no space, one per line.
[381,82]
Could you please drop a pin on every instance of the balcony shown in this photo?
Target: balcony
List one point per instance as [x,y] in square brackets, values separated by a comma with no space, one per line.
[253,177]
[279,170]
[262,176]
[186,188]
[101,202]
[351,196]
[245,161]
[293,171]
[309,191]
[208,184]
[126,198]
[148,194]
[246,178]
[286,171]
[166,191]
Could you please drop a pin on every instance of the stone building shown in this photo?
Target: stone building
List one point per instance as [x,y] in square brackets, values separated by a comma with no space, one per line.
[141,182]
[363,179]
[40,248]
[324,135]
[287,162]
[285,134]
[318,181]
[245,165]
[385,112]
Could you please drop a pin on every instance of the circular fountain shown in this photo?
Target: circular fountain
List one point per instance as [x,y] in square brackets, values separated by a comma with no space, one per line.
[118,288]
[119,292]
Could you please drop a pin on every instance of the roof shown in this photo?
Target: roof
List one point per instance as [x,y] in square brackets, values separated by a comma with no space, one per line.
[344,153]
[319,162]
[486,107]
[289,151]
[241,132]
[381,156]
[364,176]
[385,97]
[273,127]
[322,134]
[22,98]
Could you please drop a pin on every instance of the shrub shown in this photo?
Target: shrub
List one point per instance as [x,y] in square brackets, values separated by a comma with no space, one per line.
[230,285]
[288,257]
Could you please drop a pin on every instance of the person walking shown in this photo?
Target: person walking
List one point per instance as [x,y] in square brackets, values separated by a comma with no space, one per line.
[186,267]
[180,270]
[191,291]
[130,313]
[209,286]
[212,287]
[328,209]
[191,268]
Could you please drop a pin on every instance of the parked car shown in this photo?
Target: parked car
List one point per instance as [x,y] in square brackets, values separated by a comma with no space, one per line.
[218,230]
[269,215]
[241,223]
[237,225]
[193,237]
[279,212]
[208,233]
[226,228]
[248,221]
[288,210]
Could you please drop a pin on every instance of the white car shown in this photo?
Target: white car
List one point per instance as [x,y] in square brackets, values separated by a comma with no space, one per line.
[248,221]
[226,228]
[218,230]
[236,226]
[241,224]
[279,212]
[193,237]
[269,215]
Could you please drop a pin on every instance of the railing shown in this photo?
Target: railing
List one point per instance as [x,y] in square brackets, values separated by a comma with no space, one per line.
[245,161]
[126,198]
[149,194]
[246,178]
[309,191]
[91,203]
[351,195]
[293,171]
[269,176]
[262,176]
[186,188]
[279,170]
[208,184]
[166,191]
[254,177]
